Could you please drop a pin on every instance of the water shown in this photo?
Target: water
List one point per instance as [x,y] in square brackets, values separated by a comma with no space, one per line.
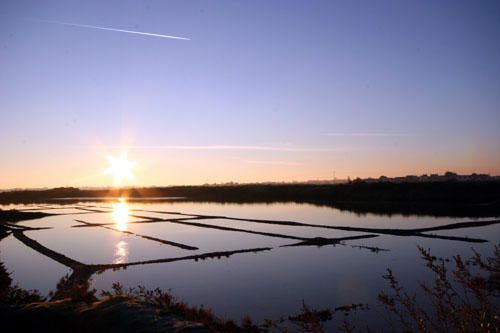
[262,283]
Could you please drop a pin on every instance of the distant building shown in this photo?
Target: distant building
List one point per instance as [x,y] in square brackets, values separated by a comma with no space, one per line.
[446,177]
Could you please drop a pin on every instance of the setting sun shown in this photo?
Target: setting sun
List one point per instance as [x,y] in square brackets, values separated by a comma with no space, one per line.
[120,168]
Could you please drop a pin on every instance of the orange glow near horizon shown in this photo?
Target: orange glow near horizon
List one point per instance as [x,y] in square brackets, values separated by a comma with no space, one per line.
[85,168]
[120,214]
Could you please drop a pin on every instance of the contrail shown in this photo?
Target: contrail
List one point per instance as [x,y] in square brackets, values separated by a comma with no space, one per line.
[116,30]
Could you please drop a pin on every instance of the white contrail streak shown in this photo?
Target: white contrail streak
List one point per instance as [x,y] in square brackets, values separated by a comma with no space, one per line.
[116,30]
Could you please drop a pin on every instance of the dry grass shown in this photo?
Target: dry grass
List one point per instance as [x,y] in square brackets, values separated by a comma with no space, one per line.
[461,300]
[12,294]
[168,304]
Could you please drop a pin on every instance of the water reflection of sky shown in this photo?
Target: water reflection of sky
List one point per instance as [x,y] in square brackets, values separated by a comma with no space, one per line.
[265,284]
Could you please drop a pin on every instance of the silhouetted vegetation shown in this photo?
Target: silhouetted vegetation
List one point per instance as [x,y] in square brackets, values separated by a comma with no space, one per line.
[168,304]
[76,292]
[11,294]
[463,302]
[452,198]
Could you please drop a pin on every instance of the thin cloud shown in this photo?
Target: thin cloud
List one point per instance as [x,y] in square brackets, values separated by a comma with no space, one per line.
[234,147]
[116,30]
[278,163]
[370,134]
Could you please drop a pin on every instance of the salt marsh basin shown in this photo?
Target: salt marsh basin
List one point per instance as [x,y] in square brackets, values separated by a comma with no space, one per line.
[260,260]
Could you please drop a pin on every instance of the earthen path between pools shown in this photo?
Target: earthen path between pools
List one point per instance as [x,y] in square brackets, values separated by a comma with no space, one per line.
[416,232]
[82,272]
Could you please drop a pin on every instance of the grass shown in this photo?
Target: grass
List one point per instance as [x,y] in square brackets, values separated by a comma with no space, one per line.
[168,304]
[461,300]
[13,295]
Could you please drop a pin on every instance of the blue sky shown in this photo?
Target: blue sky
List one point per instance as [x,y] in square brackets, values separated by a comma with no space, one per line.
[263,90]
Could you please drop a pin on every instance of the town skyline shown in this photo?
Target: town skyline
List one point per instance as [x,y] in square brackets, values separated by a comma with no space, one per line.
[424,178]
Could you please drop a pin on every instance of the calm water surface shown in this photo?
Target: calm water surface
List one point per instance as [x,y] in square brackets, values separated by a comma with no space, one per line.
[262,284]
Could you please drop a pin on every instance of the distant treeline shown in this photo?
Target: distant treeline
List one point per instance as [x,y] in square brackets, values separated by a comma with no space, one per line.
[435,198]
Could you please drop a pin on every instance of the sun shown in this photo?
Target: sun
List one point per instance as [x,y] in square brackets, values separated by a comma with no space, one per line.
[120,168]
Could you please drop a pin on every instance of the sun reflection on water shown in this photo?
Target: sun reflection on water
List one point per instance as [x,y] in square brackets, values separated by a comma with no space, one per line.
[120,214]
[121,253]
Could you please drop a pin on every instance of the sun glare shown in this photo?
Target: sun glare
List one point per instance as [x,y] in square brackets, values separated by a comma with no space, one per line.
[120,214]
[120,168]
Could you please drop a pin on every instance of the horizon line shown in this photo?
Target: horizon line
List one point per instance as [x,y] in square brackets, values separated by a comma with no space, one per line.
[233,182]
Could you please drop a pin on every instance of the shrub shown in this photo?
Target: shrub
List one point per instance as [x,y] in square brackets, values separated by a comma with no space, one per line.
[463,301]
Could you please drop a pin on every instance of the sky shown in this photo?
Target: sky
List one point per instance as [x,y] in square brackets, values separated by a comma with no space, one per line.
[254,91]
